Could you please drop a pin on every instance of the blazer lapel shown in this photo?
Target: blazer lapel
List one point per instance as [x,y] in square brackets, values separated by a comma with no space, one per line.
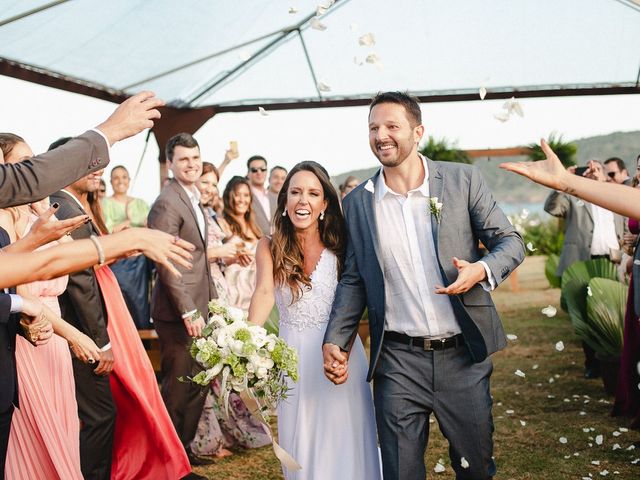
[185,199]
[368,199]
[436,188]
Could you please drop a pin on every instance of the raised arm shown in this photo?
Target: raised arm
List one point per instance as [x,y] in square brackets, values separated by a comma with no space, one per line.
[263,296]
[17,268]
[549,172]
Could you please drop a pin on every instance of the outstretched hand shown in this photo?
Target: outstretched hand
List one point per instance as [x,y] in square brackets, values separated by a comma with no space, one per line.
[47,228]
[548,172]
[131,117]
[335,363]
[164,249]
[468,275]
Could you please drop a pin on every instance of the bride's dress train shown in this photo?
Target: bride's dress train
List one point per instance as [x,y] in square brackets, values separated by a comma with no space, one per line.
[329,429]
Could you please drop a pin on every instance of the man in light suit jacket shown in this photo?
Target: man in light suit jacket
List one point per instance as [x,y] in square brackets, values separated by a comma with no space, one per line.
[413,260]
[263,204]
[179,305]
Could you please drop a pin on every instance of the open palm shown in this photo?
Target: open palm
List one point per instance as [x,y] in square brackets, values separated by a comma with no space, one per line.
[548,172]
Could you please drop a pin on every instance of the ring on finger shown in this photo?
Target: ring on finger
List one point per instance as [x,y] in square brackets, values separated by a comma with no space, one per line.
[176,239]
[91,361]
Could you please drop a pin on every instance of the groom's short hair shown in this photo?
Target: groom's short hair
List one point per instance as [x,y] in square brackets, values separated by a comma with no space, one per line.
[409,102]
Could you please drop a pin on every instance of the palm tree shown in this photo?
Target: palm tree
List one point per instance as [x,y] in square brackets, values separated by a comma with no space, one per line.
[566,151]
[441,150]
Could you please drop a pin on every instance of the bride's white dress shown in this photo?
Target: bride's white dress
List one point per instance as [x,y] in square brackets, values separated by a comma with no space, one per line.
[329,429]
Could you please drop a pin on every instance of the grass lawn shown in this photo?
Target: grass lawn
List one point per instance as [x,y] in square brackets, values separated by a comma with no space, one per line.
[553,400]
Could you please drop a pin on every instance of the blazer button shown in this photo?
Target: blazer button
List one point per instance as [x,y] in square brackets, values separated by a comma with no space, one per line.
[98,160]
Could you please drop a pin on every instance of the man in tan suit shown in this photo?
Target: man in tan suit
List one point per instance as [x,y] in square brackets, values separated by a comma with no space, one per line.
[179,305]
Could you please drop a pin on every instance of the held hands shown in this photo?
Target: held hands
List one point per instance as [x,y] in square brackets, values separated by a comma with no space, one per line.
[131,117]
[335,363]
[548,172]
[37,326]
[105,364]
[468,275]
[84,348]
[194,325]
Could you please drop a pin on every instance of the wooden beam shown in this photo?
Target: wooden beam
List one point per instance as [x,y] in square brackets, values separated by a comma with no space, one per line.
[499,152]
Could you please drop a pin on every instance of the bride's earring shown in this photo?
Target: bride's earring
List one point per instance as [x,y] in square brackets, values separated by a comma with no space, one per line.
[284,213]
[322,215]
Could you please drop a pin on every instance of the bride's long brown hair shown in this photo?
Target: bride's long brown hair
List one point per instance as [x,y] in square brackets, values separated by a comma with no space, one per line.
[288,259]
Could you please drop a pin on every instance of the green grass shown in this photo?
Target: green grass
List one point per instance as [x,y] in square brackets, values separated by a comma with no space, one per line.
[532,451]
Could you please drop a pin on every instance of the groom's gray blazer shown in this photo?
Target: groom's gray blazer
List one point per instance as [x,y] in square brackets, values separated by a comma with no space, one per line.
[469,214]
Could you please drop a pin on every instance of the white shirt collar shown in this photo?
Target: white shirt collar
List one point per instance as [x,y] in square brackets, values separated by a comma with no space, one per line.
[380,189]
[193,193]
[74,197]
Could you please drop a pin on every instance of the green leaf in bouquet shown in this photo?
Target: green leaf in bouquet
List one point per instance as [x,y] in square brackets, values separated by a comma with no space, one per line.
[605,314]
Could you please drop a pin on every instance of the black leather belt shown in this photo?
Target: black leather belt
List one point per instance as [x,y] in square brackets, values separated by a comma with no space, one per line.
[426,343]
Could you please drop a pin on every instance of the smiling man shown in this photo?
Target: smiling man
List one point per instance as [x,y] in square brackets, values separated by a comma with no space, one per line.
[178,304]
[414,262]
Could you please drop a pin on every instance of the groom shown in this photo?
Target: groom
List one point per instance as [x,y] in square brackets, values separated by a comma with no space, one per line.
[414,262]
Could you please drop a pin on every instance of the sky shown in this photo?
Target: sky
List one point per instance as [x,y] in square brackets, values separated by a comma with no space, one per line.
[337,137]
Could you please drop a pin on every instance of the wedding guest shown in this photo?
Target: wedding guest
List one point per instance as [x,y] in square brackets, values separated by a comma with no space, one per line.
[616,171]
[238,213]
[277,176]
[178,304]
[218,431]
[44,438]
[261,203]
[349,184]
[123,211]
[102,191]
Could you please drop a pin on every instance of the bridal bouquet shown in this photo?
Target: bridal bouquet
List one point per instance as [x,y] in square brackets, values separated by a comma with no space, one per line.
[244,356]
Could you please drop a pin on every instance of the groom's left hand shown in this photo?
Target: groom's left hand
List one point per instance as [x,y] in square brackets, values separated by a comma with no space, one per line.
[468,275]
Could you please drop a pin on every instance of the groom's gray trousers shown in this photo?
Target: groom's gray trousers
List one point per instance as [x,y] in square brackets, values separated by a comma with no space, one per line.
[411,383]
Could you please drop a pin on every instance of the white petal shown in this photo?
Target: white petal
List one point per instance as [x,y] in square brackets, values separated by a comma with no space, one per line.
[509,412]
[512,337]
[595,462]
[535,367]
[244,55]
[520,373]
[585,430]
[354,27]
[316,24]
[373,59]
[616,446]
[367,40]
[358,61]
[530,247]
[293,10]
[482,92]
[502,116]
[550,311]
[464,463]
[560,346]
[589,292]
[623,429]
[321,10]
[616,434]
[263,112]
[562,440]
[599,439]
[523,423]
[323,86]
[439,468]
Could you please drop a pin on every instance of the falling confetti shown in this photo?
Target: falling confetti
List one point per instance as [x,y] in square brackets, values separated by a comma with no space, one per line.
[316,24]
[513,106]
[323,86]
[323,7]
[482,92]
[530,247]
[520,373]
[263,112]
[560,346]
[464,463]
[367,40]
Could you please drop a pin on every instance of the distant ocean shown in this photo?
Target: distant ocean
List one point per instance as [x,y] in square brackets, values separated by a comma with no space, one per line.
[532,208]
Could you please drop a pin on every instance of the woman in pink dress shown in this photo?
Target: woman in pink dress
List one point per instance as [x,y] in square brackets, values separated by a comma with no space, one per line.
[44,441]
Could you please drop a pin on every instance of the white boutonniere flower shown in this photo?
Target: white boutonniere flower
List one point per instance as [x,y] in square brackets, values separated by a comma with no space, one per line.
[435,208]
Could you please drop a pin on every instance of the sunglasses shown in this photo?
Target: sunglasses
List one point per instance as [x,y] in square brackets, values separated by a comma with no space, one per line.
[256,170]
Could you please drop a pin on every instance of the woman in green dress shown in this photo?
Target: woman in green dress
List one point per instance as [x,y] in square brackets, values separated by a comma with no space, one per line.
[121,212]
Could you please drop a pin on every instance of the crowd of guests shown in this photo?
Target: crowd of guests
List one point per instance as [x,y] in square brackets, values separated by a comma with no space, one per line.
[590,232]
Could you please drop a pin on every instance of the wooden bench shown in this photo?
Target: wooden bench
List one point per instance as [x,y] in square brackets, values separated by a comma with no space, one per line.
[152,346]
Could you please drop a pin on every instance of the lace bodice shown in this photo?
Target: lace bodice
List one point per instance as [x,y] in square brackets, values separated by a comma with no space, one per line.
[313,308]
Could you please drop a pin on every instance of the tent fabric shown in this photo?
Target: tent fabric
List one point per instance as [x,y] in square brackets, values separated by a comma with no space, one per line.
[199,53]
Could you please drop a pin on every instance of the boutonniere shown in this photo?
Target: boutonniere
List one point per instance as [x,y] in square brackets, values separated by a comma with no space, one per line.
[435,208]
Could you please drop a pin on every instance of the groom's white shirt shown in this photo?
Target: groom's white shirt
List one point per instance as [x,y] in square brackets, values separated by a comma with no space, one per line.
[410,267]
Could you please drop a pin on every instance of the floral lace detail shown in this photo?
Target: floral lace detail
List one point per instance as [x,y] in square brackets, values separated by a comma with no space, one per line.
[313,308]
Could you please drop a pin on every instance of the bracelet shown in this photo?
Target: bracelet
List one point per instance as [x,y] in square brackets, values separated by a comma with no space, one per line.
[96,243]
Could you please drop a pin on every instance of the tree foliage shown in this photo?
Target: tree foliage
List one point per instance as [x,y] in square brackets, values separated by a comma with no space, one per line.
[443,151]
[566,151]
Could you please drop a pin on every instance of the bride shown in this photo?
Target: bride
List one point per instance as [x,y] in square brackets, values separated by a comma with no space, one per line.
[329,430]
